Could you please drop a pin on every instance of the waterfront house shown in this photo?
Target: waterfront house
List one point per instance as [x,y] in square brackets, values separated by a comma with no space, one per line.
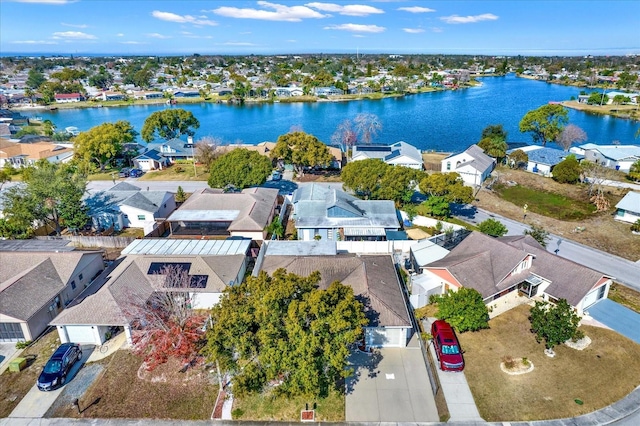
[619,157]
[141,94]
[397,154]
[213,212]
[151,160]
[35,286]
[628,209]
[210,266]
[128,206]
[171,150]
[64,98]
[329,214]
[473,165]
[512,270]
[542,160]
[373,278]
[111,96]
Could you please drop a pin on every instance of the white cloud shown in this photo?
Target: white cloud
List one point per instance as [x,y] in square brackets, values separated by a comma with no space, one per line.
[356,28]
[350,9]
[416,9]
[34,42]
[120,35]
[436,29]
[133,42]
[278,13]
[188,34]
[182,19]
[73,35]
[157,35]
[413,30]
[238,43]
[470,19]
[292,41]
[74,25]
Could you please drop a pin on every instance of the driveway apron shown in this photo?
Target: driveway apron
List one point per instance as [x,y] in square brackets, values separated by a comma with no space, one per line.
[617,317]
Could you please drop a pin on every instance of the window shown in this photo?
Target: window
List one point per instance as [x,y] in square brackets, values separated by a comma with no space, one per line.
[141,217]
[448,165]
[73,285]
[80,277]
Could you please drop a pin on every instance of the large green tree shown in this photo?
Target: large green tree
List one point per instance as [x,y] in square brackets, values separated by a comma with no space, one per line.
[363,177]
[450,186]
[169,124]
[283,328]
[35,78]
[568,170]
[104,142]
[492,227]
[398,184]
[240,168]
[554,324]
[51,194]
[545,123]
[634,171]
[463,309]
[302,150]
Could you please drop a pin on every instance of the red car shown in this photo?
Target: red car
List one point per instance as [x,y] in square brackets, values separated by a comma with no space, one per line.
[447,347]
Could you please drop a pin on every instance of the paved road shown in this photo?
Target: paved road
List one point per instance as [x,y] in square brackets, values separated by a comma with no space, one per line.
[623,270]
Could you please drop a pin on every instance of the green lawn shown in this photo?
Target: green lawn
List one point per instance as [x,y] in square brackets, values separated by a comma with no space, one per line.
[546,203]
[267,407]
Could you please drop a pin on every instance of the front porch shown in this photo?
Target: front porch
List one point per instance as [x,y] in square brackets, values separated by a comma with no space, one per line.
[526,292]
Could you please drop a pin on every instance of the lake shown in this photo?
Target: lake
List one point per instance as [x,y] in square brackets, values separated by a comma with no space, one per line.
[442,121]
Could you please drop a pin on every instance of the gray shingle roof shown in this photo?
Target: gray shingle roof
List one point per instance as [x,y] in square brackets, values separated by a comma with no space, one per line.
[125,194]
[129,281]
[550,156]
[373,279]
[29,280]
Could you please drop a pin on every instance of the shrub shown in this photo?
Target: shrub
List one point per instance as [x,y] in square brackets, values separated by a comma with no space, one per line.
[508,362]
[567,171]
[492,227]
[635,227]
[463,309]
[23,344]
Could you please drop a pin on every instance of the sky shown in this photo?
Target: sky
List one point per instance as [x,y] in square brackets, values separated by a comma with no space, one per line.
[165,27]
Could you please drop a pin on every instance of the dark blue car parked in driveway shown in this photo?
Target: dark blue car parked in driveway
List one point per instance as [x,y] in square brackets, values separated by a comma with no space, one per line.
[56,369]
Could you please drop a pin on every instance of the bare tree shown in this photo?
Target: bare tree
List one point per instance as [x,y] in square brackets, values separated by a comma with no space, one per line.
[207,150]
[595,175]
[164,324]
[295,128]
[345,135]
[570,135]
[367,126]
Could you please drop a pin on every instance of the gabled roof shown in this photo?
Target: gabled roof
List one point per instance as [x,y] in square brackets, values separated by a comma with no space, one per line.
[550,156]
[614,152]
[630,202]
[110,303]
[427,251]
[387,152]
[481,161]
[30,280]
[313,204]
[373,279]
[484,263]
[248,210]
[125,194]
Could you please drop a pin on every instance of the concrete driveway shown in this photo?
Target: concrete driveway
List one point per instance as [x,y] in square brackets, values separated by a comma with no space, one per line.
[36,403]
[390,385]
[617,317]
[7,352]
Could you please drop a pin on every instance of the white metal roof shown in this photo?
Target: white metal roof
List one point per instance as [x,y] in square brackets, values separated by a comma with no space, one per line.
[170,246]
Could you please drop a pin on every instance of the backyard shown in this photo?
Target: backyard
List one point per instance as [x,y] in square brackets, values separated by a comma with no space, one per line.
[573,383]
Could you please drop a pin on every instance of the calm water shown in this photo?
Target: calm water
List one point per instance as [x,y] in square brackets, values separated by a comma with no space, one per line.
[448,121]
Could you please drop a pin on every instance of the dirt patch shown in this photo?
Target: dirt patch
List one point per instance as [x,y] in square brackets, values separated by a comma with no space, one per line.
[601,231]
[551,389]
[625,296]
[320,176]
[164,393]
[433,160]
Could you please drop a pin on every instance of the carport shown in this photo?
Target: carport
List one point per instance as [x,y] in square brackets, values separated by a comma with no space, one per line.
[617,317]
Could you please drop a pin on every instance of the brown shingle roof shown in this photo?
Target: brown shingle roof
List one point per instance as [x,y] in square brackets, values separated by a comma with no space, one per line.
[373,279]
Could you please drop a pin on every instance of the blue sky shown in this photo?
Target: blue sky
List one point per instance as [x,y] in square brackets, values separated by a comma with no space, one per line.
[163,27]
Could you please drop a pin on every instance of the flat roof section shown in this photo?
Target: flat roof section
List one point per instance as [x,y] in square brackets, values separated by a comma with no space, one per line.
[173,246]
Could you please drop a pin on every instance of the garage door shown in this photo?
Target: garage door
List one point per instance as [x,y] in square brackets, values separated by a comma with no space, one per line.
[593,296]
[81,334]
[10,332]
[381,337]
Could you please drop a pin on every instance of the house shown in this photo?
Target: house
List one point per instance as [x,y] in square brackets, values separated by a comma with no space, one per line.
[171,150]
[64,98]
[27,154]
[628,209]
[619,157]
[326,91]
[511,270]
[151,160]
[35,286]
[141,94]
[331,214]
[397,154]
[542,160]
[374,281]
[128,206]
[211,211]
[186,94]
[473,165]
[133,278]
[111,96]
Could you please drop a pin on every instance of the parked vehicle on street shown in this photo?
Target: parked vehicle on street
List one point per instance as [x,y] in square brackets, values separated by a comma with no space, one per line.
[135,173]
[57,368]
[124,173]
[447,347]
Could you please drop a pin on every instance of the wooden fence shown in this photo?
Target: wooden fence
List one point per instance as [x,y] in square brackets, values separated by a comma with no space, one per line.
[97,241]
